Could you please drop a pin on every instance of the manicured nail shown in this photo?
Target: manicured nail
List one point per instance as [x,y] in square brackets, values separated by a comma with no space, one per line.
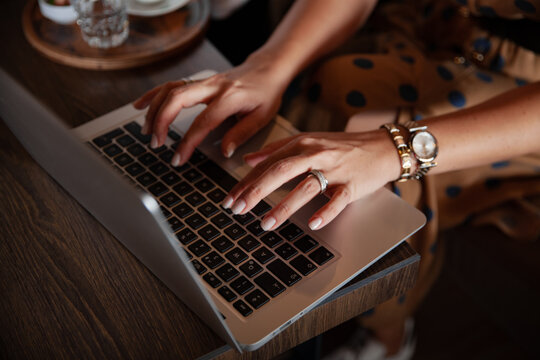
[239,205]
[176,160]
[146,128]
[230,150]
[153,142]
[227,202]
[267,223]
[315,223]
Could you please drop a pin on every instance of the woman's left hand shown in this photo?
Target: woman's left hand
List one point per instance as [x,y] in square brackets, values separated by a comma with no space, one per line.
[355,164]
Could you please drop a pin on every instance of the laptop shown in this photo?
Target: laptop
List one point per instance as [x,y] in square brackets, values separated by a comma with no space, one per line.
[246,284]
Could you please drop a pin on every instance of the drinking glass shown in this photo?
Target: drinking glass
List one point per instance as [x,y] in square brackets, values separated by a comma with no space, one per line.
[104,23]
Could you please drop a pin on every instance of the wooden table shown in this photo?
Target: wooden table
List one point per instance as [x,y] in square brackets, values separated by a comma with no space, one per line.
[68,288]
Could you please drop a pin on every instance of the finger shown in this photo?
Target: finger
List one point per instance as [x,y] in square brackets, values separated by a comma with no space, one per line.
[243,130]
[339,200]
[145,99]
[207,121]
[152,110]
[174,102]
[251,192]
[256,157]
[298,197]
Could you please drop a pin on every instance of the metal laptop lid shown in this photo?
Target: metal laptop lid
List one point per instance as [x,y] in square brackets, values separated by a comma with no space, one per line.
[106,196]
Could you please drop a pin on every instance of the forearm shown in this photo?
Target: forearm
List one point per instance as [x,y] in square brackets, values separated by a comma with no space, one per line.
[501,128]
[310,29]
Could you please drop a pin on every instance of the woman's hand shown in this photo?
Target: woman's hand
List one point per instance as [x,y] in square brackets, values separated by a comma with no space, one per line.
[355,164]
[251,91]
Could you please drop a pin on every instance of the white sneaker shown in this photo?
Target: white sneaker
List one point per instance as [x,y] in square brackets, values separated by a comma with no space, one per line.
[358,348]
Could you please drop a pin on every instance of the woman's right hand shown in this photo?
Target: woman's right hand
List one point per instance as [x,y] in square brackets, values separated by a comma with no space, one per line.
[252,92]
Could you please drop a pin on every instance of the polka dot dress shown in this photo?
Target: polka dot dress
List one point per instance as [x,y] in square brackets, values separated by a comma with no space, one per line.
[419,70]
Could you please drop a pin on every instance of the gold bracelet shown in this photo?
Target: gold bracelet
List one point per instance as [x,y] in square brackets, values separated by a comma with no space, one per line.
[403,151]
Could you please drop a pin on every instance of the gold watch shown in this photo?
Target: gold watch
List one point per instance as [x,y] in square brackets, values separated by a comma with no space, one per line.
[424,147]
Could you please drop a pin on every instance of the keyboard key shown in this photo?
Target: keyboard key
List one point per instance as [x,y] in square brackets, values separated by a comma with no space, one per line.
[227,272]
[269,284]
[306,244]
[170,199]
[101,141]
[235,231]
[199,268]
[244,219]
[271,239]
[125,140]
[291,232]
[147,159]
[136,150]
[174,135]
[236,256]
[167,156]
[195,221]
[199,248]
[212,280]
[286,251]
[166,213]
[208,232]
[242,308]
[261,208]
[263,255]
[251,268]
[256,299]
[221,220]
[175,224]
[183,188]
[249,243]
[303,265]
[321,255]
[208,209]
[222,244]
[146,179]
[182,210]
[158,188]
[158,149]
[189,256]
[195,198]
[255,228]
[114,133]
[159,168]
[241,285]
[123,159]
[197,157]
[283,272]
[227,293]
[204,185]
[112,150]
[135,130]
[186,236]
[134,169]
[218,175]
[181,168]
[191,175]
[170,178]
[216,195]
[213,260]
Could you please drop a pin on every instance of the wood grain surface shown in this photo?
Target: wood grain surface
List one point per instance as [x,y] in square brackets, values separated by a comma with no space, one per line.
[69,288]
[149,39]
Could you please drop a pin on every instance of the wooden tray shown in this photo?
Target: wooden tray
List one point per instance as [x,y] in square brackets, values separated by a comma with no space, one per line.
[150,39]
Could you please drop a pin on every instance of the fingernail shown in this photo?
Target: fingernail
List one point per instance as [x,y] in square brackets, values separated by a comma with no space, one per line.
[153,142]
[230,150]
[315,223]
[238,207]
[175,161]
[227,202]
[267,223]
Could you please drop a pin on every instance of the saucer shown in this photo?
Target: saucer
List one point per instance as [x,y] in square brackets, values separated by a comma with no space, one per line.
[153,9]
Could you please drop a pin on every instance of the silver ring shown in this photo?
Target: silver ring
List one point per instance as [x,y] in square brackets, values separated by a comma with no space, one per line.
[187,81]
[322,180]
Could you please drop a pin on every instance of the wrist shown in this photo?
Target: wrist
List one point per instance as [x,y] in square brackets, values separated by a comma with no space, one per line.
[278,68]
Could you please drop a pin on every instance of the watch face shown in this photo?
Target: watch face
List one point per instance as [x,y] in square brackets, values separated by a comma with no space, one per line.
[424,146]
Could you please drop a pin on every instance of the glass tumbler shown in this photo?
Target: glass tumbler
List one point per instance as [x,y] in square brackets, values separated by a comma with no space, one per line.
[104,23]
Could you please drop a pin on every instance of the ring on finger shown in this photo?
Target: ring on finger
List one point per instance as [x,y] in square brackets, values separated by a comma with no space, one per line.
[187,80]
[320,177]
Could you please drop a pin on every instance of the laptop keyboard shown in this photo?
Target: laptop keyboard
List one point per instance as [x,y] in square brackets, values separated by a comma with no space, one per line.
[246,265]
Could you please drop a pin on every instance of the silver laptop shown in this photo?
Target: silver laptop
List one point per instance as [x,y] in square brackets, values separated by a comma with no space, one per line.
[246,284]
